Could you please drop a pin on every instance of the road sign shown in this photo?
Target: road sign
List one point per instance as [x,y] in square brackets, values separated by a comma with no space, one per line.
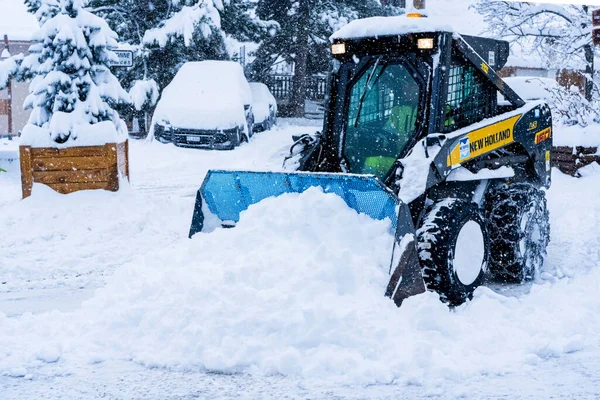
[125,59]
[596,36]
[596,17]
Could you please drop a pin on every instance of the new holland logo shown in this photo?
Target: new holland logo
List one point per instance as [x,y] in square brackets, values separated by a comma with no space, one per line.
[465,148]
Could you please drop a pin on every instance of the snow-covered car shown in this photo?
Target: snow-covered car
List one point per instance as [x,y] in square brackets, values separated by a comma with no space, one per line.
[264,106]
[208,105]
[531,87]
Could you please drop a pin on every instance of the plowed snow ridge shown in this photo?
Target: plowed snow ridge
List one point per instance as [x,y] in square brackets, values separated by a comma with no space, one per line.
[297,289]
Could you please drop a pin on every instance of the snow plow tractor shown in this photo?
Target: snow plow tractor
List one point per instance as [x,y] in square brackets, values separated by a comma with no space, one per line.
[416,132]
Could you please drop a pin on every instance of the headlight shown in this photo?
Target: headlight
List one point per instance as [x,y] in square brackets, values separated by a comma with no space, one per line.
[338,48]
[425,43]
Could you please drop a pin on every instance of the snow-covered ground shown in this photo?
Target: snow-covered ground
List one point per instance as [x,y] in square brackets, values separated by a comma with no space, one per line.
[102,293]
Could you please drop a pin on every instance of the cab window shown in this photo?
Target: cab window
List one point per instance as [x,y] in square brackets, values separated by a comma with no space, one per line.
[382,118]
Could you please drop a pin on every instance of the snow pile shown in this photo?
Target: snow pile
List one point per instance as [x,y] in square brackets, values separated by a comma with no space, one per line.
[297,289]
[588,136]
[82,134]
[280,293]
[82,241]
[205,95]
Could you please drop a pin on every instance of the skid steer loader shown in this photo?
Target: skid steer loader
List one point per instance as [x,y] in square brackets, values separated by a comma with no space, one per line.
[420,129]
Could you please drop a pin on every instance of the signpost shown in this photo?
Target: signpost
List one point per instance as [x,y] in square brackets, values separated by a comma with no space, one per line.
[125,59]
[6,104]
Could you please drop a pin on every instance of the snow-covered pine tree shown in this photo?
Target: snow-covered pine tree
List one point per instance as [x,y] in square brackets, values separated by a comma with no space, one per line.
[558,33]
[73,92]
[305,26]
[42,9]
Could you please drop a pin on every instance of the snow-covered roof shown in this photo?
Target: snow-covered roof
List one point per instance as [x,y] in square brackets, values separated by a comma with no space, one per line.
[443,15]
[531,87]
[391,26]
[15,21]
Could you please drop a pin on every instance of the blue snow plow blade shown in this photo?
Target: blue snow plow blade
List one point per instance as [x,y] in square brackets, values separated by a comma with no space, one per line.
[228,193]
[225,194]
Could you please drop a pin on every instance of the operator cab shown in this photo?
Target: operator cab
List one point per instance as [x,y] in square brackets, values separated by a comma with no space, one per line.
[382,114]
[388,92]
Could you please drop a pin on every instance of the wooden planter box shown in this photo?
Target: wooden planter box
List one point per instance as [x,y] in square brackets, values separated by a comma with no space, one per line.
[76,168]
[569,159]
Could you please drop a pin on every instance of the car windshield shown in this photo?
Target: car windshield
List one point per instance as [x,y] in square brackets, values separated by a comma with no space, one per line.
[382,118]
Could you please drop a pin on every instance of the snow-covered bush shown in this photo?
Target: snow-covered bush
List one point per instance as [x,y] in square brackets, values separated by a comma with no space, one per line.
[72,89]
[144,94]
[570,107]
[43,9]
[560,35]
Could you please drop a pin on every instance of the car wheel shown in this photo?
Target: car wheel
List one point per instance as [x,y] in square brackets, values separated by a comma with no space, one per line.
[162,139]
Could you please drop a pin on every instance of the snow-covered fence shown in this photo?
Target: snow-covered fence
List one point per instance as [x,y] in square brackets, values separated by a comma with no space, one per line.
[570,159]
[282,87]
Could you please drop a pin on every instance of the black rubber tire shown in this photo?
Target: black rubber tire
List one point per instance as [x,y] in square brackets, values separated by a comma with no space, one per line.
[238,140]
[437,239]
[519,226]
[162,140]
[244,138]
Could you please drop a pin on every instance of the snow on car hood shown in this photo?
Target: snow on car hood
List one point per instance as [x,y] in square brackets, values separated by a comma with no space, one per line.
[213,116]
[205,95]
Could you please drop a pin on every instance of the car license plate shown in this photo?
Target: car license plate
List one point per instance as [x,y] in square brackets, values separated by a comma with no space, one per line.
[193,139]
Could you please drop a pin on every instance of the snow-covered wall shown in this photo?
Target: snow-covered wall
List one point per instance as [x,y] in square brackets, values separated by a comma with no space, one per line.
[20,90]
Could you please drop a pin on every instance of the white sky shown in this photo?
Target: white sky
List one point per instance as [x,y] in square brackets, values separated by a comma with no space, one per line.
[588,2]
[15,21]
[458,14]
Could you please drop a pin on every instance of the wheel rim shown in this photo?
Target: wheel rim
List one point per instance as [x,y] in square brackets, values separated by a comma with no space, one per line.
[469,253]
[523,242]
[531,234]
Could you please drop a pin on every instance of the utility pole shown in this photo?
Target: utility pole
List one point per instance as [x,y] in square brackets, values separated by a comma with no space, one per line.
[589,55]
[8,89]
[299,87]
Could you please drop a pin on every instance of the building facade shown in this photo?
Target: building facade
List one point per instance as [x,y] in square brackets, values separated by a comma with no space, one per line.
[20,90]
